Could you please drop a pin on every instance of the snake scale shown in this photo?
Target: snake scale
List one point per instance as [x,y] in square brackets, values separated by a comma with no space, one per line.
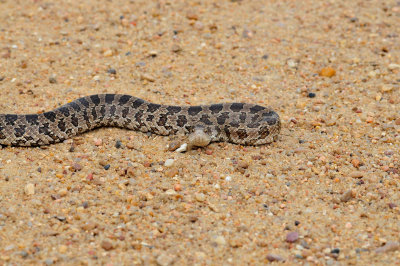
[240,123]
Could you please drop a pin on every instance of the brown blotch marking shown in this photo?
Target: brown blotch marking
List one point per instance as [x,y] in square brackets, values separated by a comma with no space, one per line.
[242,134]
[61,125]
[137,103]
[95,99]
[173,109]
[84,102]
[124,99]
[32,119]
[216,108]
[263,132]
[256,109]
[194,110]
[204,119]
[236,107]
[181,121]
[163,120]
[152,107]
[109,98]
[222,118]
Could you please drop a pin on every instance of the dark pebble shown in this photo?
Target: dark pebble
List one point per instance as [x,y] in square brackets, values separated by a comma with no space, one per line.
[107,166]
[274,257]
[39,169]
[72,148]
[265,57]
[112,71]
[128,53]
[335,251]
[55,196]
[85,204]
[361,182]
[2,78]
[301,141]
[311,95]
[52,80]
[292,237]
[118,144]
[24,254]
[296,223]
[353,20]
[392,205]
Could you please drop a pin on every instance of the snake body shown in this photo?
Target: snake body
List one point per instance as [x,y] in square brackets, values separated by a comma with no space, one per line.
[240,123]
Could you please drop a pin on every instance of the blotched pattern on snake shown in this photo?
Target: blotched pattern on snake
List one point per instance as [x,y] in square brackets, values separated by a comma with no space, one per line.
[240,123]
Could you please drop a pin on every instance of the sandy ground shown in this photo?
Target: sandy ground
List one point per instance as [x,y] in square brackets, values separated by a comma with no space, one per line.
[327,192]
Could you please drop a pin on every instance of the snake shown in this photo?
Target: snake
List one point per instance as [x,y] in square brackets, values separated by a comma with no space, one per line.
[238,123]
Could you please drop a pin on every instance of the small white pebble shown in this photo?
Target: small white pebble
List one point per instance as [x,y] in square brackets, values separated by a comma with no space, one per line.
[30,189]
[170,192]
[169,162]
[228,178]
[200,197]
[97,142]
[182,148]
[217,186]
[220,240]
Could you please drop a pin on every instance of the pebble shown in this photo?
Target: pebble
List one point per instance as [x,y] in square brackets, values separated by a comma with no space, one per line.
[292,63]
[169,162]
[153,53]
[192,15]
[118,144]
[107,245]
[29,189]
[48,261]
[147,77]
[311,95]
[177,187]
[63,192]
[220,240]
[164,260]
[198,25]
[106,167]
[112,71]
[393,66]
[274,257]
[348,195]
[389,246]
[327,72]
[182,148]
[176,48]
[356,174]
[200,197]
[76,167]
[61,218]
[52,80]
[172,146]
[292,237]
[62,249]
[108,53]
[98,142]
